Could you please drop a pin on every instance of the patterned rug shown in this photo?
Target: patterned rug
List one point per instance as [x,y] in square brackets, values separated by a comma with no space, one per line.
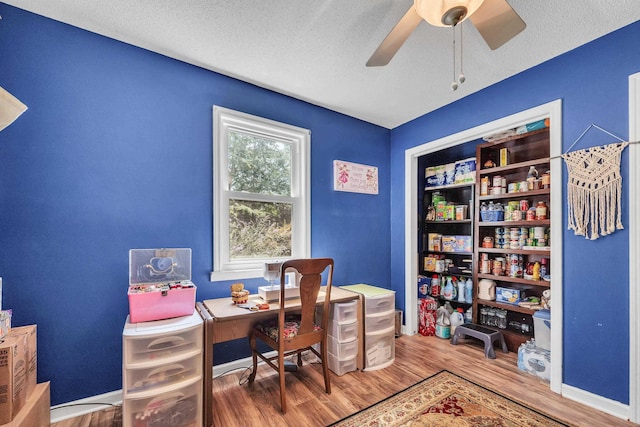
[447,400]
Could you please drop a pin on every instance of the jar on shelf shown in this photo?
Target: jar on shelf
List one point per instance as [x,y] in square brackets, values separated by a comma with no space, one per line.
[541,210]
[501,316]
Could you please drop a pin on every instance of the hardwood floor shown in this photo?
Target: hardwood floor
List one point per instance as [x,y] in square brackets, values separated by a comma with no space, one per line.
[237,403]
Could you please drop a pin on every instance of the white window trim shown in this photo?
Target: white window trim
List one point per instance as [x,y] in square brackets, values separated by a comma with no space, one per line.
[225,119]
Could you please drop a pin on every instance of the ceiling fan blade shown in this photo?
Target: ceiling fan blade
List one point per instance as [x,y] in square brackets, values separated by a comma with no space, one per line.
[398,35]
[497,22]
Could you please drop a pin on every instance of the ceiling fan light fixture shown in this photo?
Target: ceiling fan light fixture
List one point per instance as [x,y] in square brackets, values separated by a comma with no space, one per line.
[446,13]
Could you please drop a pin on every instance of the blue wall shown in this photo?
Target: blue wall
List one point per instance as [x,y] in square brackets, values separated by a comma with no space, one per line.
[592,82]
[114,153]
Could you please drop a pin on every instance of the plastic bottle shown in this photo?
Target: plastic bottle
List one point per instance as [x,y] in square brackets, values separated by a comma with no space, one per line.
[468,291]
[456,318]
[462,291]
[447,291]
[532,176]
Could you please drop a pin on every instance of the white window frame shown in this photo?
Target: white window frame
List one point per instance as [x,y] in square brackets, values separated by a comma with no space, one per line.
[225,120]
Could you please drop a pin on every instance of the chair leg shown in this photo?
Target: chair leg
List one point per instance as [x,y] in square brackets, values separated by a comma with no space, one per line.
[325,367]
[281,373]
[299,358]
[252,344]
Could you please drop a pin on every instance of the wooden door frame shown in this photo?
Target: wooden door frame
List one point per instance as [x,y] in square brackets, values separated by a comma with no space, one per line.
[553,110]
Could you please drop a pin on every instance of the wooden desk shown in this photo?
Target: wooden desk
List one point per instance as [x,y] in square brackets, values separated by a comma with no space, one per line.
[224,321]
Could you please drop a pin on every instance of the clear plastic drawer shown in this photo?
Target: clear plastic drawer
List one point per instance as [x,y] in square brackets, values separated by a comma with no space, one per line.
[177,408]
[379,348]
[342,349]
[176,371]
[378,322]
[341,367]
[168,345]
[344,312]
[379,303]
[343,331]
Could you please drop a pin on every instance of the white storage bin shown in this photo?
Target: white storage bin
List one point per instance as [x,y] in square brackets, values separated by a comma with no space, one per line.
[177,408]
[343,331]
[341,367]
[378,322]
[342,349]
[163,374]
[379,349]
[379,303]
[165,345]
[344,312]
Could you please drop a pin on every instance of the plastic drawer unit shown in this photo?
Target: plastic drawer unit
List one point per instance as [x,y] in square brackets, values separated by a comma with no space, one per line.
[342,337]
[162,372]
[379,325]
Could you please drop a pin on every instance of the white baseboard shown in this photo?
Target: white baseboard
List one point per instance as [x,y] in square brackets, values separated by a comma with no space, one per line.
[600,403]
[85,406]
[99,402]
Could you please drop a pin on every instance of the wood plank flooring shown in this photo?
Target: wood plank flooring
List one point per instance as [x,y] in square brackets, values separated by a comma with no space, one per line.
[238,403]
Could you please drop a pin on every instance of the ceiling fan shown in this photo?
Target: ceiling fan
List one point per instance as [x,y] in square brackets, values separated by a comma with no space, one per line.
[496,21]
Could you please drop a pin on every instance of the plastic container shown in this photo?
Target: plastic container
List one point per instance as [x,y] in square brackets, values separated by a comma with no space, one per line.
[378,322]
[343,331]
[379,303]
[344,312]
[341,367]
[160,284]
[542,328]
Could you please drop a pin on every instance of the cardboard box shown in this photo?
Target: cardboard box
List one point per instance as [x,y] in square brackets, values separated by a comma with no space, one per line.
[36,411]
[14,360]
[456,244]
[30,332]
[509,295]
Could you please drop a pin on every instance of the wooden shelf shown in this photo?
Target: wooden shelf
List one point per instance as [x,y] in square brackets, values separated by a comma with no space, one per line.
[522,223]
[448,187]
[450,221]
[510,307]
[518,195]
[514,166]
[515,251]
[540,283]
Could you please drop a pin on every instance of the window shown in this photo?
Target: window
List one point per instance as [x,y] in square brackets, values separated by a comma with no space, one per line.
[260,193]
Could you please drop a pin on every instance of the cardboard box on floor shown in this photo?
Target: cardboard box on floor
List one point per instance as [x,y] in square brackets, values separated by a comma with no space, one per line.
[36,411]
[17,370]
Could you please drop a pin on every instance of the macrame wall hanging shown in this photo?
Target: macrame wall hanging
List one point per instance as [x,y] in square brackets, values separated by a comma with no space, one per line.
[594,188]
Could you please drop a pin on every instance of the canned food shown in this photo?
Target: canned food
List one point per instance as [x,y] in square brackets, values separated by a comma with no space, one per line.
[531,214]
[485,266]
[497,181]
[487,242]
[524,205]
[523,186]
[513,187]
[497,268]
[516,215]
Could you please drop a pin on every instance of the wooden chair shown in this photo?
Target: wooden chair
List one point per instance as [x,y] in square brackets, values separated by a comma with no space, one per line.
[290,333]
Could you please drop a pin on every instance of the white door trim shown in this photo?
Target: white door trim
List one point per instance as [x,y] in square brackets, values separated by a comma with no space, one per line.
[553,110]
[634,249]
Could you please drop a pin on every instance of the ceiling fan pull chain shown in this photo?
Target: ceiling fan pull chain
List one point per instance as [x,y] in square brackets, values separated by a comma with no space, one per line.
[461,77]
[454,84]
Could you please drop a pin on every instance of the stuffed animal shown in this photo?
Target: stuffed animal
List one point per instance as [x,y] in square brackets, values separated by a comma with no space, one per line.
[238,294]
[546,299]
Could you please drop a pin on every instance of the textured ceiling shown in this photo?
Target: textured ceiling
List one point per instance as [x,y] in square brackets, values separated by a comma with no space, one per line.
[317,50]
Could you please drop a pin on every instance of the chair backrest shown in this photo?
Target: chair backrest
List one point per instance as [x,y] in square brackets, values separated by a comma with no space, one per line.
[309,271]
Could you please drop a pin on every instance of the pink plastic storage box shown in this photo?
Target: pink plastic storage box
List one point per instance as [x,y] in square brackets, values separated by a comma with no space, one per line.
[160,285]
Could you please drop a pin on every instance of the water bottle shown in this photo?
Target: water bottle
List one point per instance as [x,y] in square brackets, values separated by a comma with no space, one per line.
[461,290]
[468,291]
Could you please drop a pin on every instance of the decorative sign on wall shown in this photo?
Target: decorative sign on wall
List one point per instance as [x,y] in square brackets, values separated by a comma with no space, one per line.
[354,177]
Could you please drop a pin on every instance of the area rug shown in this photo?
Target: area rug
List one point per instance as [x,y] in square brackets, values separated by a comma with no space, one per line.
[447,400]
